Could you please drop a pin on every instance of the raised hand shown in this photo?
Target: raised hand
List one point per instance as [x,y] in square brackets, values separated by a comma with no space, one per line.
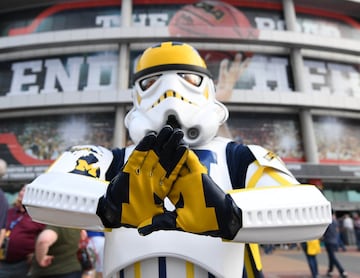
[137,193]
[229,73]
[202,207]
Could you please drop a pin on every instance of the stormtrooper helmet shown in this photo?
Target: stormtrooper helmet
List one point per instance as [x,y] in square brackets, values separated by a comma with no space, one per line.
[173,86]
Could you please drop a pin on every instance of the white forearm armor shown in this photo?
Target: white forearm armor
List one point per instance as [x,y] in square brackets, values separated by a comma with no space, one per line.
[299,213]
[275,207]
[270,215]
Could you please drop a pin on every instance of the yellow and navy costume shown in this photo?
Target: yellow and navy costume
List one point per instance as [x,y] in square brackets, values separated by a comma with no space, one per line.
[228,163]
[217,193]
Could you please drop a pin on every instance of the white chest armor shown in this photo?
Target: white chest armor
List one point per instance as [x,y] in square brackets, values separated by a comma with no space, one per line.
[124,246]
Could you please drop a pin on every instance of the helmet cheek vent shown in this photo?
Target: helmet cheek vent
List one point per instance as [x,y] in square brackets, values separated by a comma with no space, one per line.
[193,133]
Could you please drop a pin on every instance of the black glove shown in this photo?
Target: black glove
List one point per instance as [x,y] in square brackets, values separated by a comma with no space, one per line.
[137,193]
[202,207]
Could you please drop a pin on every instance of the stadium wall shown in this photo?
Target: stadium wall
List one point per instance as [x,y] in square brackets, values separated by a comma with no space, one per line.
[65,79]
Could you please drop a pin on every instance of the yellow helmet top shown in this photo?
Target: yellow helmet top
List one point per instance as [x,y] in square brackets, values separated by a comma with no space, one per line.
[170,56]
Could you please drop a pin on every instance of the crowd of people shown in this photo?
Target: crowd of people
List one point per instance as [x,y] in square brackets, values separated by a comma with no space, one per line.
[349,227]
[278,134]
[344,231]
[46,139]
[31,249]
[331,239]
[334,136]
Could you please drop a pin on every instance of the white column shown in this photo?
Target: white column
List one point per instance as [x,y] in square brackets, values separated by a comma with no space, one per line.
[123,77]
[297,63]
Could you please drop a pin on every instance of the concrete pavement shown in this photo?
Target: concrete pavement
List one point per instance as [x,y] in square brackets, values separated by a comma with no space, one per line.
[292,263]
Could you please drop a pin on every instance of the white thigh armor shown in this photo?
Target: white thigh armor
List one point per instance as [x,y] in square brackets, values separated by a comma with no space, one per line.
[207,254]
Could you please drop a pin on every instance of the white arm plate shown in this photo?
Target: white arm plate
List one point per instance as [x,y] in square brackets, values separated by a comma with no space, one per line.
[282,214]
[65,199]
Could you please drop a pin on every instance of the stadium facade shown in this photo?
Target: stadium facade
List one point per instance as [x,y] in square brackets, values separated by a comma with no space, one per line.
[65,78]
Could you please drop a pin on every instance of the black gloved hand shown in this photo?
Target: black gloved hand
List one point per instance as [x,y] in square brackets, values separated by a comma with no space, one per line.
[202,207]
[137,193]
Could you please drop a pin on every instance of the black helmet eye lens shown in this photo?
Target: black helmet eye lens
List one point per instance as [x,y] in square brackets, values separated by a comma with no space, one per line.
[192,78]
[147,82]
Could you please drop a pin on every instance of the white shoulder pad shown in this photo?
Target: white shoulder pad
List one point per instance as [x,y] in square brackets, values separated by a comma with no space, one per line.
[87,160]
[268,158]
[68,193]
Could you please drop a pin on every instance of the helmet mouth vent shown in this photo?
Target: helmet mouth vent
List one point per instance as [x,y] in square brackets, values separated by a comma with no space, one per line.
[173,122]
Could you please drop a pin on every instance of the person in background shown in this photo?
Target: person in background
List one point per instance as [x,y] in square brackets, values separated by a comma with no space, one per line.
[268,248]
[21,233]
[341,235]
[348,224]
[55,253]
[4,205]
[330,239]
[356,218]
[86,256]
[3,212]
[96,242]
[311,249]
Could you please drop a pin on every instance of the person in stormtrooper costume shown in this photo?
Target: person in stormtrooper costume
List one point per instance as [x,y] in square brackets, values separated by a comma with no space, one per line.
[181,201]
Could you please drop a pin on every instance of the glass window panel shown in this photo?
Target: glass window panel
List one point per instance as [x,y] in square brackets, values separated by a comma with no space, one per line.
[252,72]
[353,195]
[332,78]
[338,139]
[43,139]
[346,27]
[61,17]
[278,133]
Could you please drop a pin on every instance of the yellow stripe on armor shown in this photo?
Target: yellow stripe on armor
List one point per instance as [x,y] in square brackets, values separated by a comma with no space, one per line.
[190,270]
[256,254]
[252,250]
[138,97]
[206,92]
[137,270]
[256,176]
[276,176]
[252,261]
[169,94]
